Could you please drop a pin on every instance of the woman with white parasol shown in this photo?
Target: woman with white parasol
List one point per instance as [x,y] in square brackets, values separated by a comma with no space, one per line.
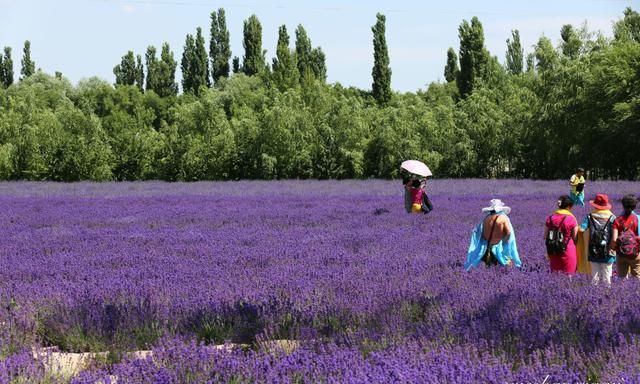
[415,196]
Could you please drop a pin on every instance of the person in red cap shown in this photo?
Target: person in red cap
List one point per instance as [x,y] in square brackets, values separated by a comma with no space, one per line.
[599,223]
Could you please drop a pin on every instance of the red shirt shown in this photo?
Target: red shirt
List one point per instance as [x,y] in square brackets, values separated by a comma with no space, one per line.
[630,223]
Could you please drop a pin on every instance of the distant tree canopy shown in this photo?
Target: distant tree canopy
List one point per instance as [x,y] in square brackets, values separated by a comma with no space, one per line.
[541,114]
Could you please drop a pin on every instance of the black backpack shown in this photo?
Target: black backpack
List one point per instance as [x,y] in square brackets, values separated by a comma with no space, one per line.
[599,238]
[555,240]
[426,203]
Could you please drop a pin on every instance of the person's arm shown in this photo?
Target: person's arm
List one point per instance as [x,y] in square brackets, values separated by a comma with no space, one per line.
[506,228]
[573,181]
[574,234]
[546,233]
[614,238]
[585,224]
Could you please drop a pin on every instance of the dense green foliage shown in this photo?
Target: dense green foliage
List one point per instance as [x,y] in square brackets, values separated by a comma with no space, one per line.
[576,104]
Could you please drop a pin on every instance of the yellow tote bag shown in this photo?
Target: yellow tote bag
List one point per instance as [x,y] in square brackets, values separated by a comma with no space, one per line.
[582,252]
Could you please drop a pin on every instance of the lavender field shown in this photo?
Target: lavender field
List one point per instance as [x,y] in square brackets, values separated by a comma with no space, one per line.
[370,293]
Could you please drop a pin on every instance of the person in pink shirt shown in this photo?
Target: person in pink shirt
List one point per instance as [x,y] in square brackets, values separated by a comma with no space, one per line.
[416,190]
[563,222]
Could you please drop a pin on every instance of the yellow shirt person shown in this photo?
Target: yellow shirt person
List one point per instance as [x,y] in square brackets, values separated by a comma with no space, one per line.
[577,187]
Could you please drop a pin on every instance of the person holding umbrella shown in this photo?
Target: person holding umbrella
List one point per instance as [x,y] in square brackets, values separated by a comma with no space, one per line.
[415,196]
[416,192]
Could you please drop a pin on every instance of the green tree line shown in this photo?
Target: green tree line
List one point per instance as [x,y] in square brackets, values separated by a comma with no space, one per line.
[541,114]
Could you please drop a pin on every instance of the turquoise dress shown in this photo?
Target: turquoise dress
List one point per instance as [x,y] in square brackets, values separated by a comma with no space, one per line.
[504,252]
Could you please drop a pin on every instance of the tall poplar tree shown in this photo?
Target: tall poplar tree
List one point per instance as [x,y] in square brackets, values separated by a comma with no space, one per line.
[219,46]
[195,64]
[303,52]
[285,72]
[318,64]
[139,73]
[571,43]
[311,62]
[515,54]
[28,66]
[7,67]
[531,58]
[381,71]
[151,62]
[451,69]
[166,73]
[253,60]
[546,55]
[235,64]
[628,29]
[203,77]
[126,71]
[188,59]
[473,56]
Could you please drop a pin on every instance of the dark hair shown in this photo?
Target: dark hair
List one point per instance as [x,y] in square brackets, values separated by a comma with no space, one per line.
[629,202]
[565,202]
[580,170]
[416,183]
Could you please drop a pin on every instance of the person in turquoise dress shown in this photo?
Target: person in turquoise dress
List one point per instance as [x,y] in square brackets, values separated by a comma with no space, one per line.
[493,240]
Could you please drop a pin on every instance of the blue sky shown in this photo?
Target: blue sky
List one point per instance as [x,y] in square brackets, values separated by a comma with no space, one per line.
[84,38]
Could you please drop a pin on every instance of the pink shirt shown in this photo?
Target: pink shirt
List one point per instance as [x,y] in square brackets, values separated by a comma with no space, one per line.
[566,262]
[416,195]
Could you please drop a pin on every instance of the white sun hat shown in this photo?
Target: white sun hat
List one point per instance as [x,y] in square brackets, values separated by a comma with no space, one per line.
[498,206]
